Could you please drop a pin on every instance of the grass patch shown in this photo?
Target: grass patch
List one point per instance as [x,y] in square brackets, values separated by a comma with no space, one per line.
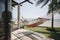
[43,30]
[1,30]
[39,30]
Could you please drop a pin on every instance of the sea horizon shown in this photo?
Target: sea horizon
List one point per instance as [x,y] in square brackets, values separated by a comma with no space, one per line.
[47,23]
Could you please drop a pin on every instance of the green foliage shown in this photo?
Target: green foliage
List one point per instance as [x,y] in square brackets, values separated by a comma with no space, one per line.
[44,31]
[52,3]
[8,16]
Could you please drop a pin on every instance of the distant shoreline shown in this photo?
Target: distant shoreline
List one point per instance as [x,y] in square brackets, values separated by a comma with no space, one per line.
[47,23]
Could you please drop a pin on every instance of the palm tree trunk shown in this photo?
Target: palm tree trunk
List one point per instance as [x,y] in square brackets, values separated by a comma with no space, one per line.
[52,24]
[7,28]
[18,16]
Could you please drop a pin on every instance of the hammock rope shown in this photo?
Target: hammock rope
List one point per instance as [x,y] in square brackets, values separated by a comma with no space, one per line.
[38,21]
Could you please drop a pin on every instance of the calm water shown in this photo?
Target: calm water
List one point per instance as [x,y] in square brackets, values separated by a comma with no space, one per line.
[47,23]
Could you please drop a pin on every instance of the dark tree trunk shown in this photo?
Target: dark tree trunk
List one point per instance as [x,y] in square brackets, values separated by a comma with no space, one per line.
[6,22]
[52,23]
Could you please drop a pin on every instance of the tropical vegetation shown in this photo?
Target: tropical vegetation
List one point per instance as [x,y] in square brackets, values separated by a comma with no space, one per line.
[43,30]
[54,7]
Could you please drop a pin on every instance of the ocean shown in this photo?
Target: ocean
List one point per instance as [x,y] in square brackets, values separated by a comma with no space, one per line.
[47,23]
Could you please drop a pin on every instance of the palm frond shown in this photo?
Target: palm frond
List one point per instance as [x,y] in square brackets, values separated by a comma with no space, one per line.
[39,2]
[48,12]
[45,3]
[42,1]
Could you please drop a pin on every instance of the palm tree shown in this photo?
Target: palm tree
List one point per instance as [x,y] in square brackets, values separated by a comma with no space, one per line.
[42,1]
[54,4]
[53,7]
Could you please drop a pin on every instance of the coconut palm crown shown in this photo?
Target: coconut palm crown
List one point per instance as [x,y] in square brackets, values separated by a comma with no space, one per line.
[55,4]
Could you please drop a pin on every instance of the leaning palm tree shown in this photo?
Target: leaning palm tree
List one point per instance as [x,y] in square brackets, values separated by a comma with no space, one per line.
[53,7]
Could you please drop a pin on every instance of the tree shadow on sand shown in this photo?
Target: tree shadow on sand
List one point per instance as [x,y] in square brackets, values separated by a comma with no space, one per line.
[55,35]
[52,34]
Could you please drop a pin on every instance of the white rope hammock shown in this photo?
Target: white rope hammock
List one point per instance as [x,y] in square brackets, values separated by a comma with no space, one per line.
[35,23]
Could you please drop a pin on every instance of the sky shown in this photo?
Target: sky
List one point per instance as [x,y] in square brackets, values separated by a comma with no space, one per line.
[28,10]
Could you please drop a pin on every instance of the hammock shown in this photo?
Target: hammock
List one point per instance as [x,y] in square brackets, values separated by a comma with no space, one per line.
[38,21]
